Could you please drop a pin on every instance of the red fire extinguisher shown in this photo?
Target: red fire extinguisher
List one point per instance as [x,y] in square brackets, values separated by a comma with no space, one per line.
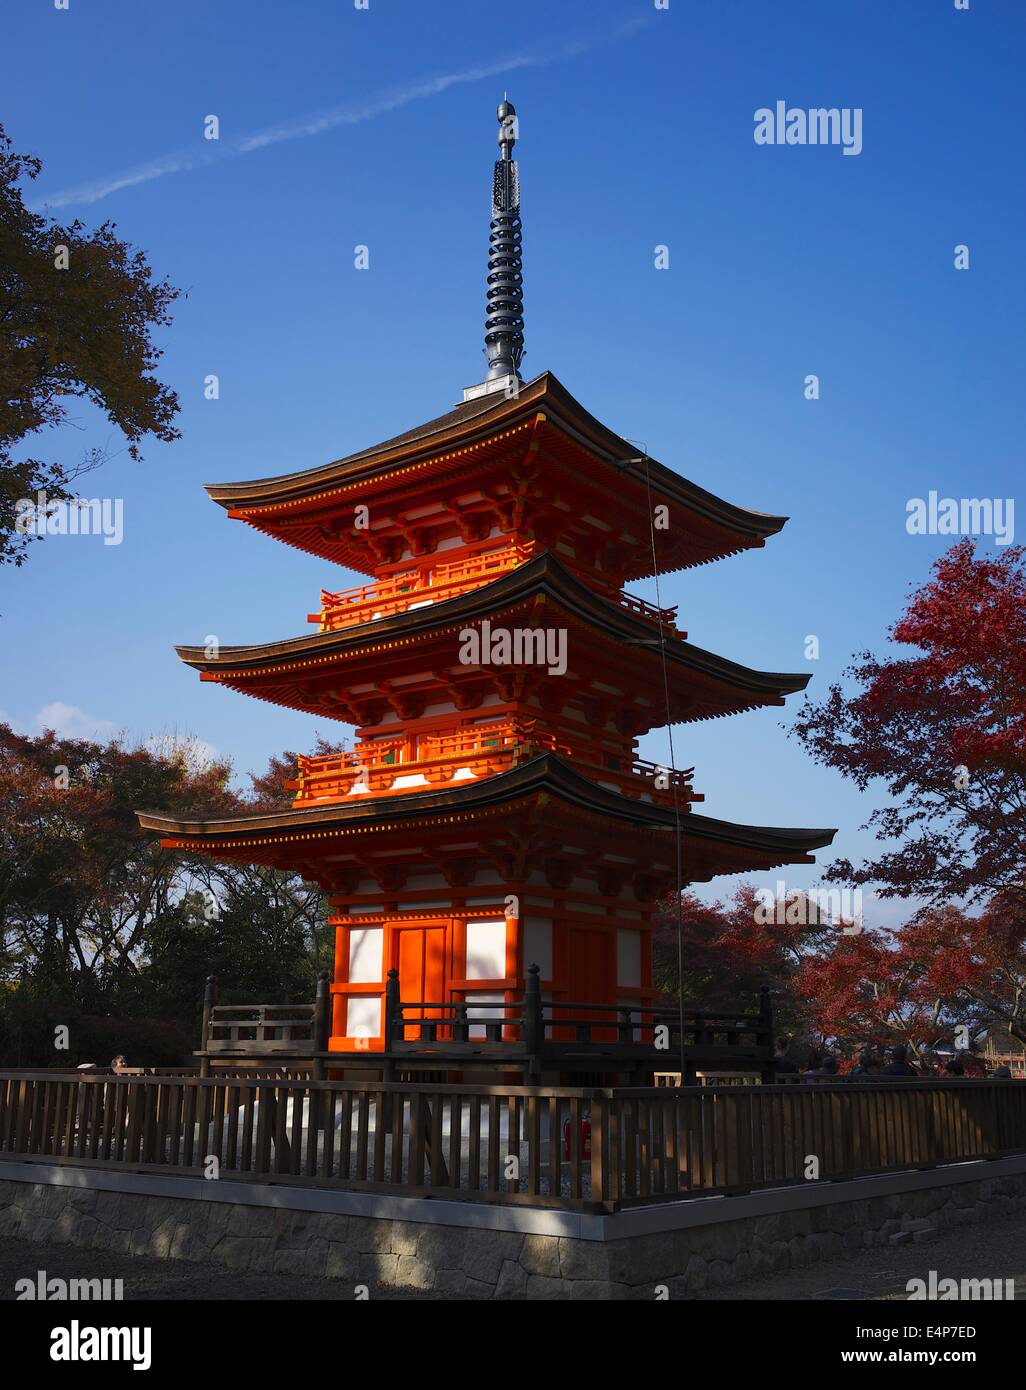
[585,1144]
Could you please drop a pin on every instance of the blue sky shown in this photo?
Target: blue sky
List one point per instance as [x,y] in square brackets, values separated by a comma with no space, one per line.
[636,130]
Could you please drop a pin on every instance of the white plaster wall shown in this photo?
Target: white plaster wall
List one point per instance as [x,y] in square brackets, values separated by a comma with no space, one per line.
[366,945]
[486,950]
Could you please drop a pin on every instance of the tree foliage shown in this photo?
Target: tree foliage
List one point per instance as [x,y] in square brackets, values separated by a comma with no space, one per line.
[96,919]
[84,330]
[945,730]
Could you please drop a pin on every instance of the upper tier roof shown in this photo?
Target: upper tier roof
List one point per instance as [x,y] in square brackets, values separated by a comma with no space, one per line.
[294,507]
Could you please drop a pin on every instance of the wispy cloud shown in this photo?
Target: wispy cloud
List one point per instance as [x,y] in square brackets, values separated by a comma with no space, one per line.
[355,113]
[71,722]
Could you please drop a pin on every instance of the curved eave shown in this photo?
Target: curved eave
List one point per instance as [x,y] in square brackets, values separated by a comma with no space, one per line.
[474,423]
[546,774]
[542,576]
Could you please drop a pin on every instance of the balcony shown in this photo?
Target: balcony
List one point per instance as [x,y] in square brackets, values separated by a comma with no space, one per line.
[416,762]
[435,582]
[414,588]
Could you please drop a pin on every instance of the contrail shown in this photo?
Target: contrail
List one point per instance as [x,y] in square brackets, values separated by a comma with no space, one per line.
[377,104]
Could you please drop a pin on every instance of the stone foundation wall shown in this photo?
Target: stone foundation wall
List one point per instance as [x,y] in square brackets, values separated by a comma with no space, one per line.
[469,1262]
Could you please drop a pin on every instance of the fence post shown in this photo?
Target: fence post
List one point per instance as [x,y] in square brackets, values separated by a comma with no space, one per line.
[393,1021]
[599,1117]
[320,1025]
[766,1025]
[533,1025]
[209,1003]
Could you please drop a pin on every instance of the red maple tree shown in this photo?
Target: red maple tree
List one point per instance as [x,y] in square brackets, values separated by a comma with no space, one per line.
[945,730]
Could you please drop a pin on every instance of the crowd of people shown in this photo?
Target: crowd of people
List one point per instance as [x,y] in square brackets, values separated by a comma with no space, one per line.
[870,1065]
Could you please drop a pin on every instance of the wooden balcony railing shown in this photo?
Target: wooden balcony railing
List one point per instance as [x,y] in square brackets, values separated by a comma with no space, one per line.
[443,580]
[414,587]
[557,1035]
[465,754]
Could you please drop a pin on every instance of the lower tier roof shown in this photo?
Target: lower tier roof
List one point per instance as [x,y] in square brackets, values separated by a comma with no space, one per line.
[545,797]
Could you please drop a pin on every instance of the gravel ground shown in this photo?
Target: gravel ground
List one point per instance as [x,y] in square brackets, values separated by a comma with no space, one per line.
[994,1248]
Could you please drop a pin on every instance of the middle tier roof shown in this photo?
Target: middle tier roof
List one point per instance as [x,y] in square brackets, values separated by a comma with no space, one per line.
[613,667]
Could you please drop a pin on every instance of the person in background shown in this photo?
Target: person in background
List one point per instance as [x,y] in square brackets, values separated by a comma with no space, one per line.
[1003,1072]
[898,1065]
[867,1066]
[820,1068]
[783,1064]
[954,1067]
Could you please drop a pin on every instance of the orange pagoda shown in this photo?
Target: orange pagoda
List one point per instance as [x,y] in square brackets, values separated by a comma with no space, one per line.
[494,813]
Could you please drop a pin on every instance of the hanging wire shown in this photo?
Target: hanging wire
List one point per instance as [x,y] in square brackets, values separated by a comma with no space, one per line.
[678,833]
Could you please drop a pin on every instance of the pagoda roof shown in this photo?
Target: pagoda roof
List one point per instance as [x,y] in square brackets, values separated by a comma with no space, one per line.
[268,835]
[713,685]
[280,505]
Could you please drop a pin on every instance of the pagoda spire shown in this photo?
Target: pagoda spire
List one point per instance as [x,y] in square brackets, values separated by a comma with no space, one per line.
[504,325]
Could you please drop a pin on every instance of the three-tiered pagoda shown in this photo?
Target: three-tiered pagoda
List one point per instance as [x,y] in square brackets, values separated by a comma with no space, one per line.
[494,813]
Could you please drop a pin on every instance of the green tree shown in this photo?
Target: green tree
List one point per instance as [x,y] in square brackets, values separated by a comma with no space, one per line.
[77,310]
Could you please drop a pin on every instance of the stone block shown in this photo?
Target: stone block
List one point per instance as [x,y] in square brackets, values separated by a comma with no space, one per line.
[587,1259]
[597,1291]
[161,1238]
[218,1215]
[540,1255]
[108,1205]
[648,1260]
[696,1273]
[412,1273]
[288,1261]
[452,1281]
[405,1237]
[120,1242]
[236,1252]
[182,1243]
[370,1235]
[377,1270]
[800,1251]
[542,1289]
[441,1246]
[720,1272]
[485,1252]
[251,1222]
[315,1258]
[342,1263]
[512,1281]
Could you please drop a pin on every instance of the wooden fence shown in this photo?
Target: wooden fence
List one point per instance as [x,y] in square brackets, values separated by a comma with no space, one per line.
[576,1148]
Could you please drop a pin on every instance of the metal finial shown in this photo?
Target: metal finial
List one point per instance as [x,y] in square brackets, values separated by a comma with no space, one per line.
[504,325]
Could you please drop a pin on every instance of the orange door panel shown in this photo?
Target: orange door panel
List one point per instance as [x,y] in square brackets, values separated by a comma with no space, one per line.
[421,966]
[592,973]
